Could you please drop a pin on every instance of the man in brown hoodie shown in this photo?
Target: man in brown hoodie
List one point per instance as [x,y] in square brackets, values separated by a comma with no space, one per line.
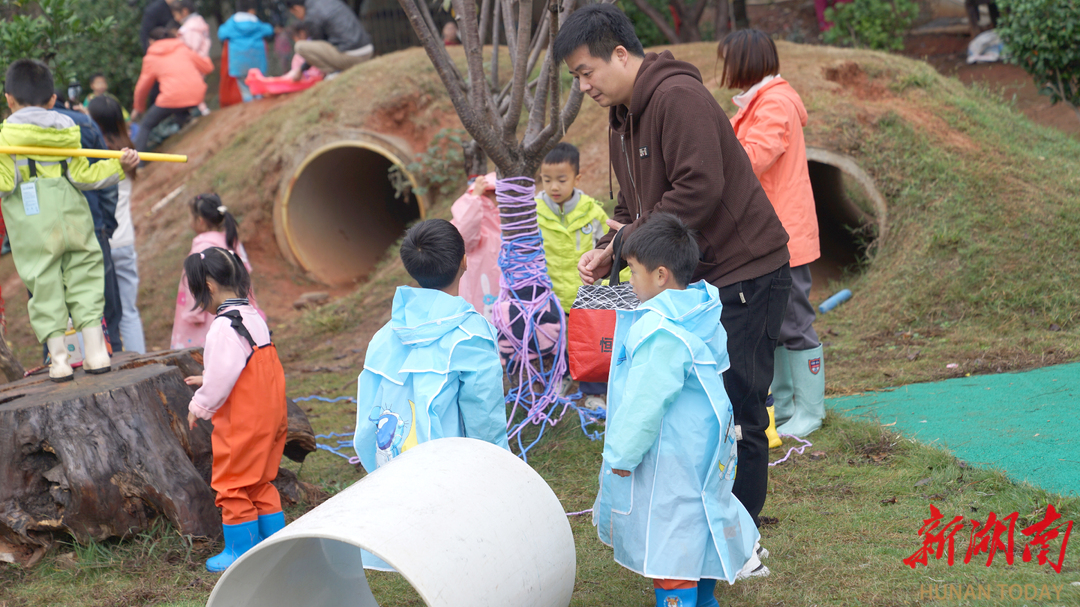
[673,150]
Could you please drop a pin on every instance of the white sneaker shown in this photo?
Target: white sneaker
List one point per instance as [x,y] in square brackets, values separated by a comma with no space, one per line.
[762,552]
[594,402]
[753,568]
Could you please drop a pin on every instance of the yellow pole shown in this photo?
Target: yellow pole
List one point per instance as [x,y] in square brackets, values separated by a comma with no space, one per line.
[65,152]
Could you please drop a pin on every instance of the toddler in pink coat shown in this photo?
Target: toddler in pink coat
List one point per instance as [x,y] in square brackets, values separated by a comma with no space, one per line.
[476,216]
[214,227]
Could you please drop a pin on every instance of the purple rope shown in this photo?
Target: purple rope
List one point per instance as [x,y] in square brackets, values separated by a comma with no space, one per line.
[805,444]
[521,260]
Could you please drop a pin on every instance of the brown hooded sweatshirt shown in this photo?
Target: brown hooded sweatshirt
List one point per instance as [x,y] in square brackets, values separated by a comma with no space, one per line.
[674,150]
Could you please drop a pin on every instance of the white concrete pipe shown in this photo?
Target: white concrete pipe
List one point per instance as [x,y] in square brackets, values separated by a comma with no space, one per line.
[466,523]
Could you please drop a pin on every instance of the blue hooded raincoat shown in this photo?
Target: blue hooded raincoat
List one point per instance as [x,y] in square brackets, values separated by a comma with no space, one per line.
[670,424]
[247,43]
[433,371]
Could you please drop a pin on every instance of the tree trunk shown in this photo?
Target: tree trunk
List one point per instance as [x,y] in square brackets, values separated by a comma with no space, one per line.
[100,456]
[738,10]
[9,365]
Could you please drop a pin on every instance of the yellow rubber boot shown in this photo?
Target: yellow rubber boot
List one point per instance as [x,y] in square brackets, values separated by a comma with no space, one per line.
[774,438]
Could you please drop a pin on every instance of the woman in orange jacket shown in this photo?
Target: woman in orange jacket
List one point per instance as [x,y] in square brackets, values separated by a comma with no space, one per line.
[769,124]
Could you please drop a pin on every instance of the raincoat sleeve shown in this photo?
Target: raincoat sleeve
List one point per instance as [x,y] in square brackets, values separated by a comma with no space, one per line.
[468,211]
[7,175]
[101,174]
[226,30]
[658,370]
[768,136]
[225,356]
[480,393]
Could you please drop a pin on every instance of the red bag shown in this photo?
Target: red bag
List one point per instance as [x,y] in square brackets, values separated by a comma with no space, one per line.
[591,328]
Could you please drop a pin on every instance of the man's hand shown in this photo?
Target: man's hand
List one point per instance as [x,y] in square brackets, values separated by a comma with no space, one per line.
[191,419]
[614,225]
[595,265]
[193,380]
[129,159]
[622,473]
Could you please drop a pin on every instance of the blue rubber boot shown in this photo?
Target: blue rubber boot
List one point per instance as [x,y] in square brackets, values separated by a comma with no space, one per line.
[269,524]
[238,539]
[706,589]
[684,597]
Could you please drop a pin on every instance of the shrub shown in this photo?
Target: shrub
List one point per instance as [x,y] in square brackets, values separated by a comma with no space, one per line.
[874,24]
[1041,37]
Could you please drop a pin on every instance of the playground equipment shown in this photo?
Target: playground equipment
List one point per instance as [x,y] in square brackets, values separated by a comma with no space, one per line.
[465,523]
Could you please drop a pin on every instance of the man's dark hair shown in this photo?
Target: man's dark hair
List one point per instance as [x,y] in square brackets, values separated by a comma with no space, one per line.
[601,27]
[432,252]
[95,76]
[30,82]
[564,152]
[664,240]
[292,3]
[188,5]
[160,33]
[749,55]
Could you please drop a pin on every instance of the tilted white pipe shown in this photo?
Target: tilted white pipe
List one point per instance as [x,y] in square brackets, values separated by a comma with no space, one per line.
[465,522]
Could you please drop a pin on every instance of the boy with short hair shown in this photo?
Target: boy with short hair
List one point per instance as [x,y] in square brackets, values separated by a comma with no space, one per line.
[433,371]
[665,503]
[571,223]
[48,219]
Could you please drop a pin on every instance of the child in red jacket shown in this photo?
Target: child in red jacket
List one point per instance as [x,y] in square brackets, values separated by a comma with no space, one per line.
[179,72]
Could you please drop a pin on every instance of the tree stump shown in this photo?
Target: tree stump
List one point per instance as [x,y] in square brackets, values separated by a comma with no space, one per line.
[99,457]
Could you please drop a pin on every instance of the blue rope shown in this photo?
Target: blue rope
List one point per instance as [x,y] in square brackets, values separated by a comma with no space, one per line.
[324,399]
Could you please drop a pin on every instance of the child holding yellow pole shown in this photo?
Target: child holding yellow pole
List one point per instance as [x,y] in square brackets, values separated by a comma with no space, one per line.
[49,224]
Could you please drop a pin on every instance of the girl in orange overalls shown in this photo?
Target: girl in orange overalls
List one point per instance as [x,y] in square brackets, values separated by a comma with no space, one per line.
[242,391]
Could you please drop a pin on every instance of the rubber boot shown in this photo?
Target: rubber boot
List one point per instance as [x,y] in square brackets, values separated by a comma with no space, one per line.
[706,590]
[239,539]
[269,524]
[97,354]
[783,390]
[59,369]
[683,597]
[774,438]
[808,371]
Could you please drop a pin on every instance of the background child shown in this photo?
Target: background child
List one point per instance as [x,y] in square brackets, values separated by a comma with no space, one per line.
[665,501]
[214,226]
[571,222]
[108,115]
[242,389]
[179,73]
[194,32]
[99,87]
[476,216]
[769,126]
[49,225]
[247,44]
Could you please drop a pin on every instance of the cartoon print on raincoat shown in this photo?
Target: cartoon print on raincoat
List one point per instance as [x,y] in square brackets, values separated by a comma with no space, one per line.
[670,424]
[393,435]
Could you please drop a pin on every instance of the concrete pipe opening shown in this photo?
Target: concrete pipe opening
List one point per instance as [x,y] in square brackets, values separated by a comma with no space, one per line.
[341,210]
[851,215]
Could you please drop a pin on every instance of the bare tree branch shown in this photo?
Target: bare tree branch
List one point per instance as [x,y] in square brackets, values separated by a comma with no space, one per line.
[517,92]
[474,61]
[495,45]
[485,21]
[658,19]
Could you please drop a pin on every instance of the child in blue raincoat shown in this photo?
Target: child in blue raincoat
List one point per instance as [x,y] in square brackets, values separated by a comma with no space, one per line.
[247,43]
[665,503]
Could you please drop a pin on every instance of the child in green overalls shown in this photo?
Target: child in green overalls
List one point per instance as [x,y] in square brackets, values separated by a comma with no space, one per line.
[48,219]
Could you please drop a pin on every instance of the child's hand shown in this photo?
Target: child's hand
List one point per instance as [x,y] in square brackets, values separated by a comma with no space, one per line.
[193,380]
[622,473]
[479,186]
[191,419]
[129,159]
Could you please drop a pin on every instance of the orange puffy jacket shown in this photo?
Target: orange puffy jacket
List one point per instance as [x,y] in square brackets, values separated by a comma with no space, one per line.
[179,72]
[770,128]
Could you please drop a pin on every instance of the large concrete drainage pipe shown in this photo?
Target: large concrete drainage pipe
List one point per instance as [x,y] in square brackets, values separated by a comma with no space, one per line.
[340,211]
[852,215]
[464,522]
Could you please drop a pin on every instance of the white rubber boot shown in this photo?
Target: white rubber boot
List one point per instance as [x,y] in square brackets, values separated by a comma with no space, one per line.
[59,369]
[808,373]
[783,388]
[97,354]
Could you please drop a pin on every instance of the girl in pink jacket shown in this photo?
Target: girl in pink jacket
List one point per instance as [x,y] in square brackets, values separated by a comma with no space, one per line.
[476,216]
[769,124]
[194,32]
[214,226]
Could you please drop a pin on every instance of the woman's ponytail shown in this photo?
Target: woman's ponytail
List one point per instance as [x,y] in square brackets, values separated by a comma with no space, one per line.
[231,233]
